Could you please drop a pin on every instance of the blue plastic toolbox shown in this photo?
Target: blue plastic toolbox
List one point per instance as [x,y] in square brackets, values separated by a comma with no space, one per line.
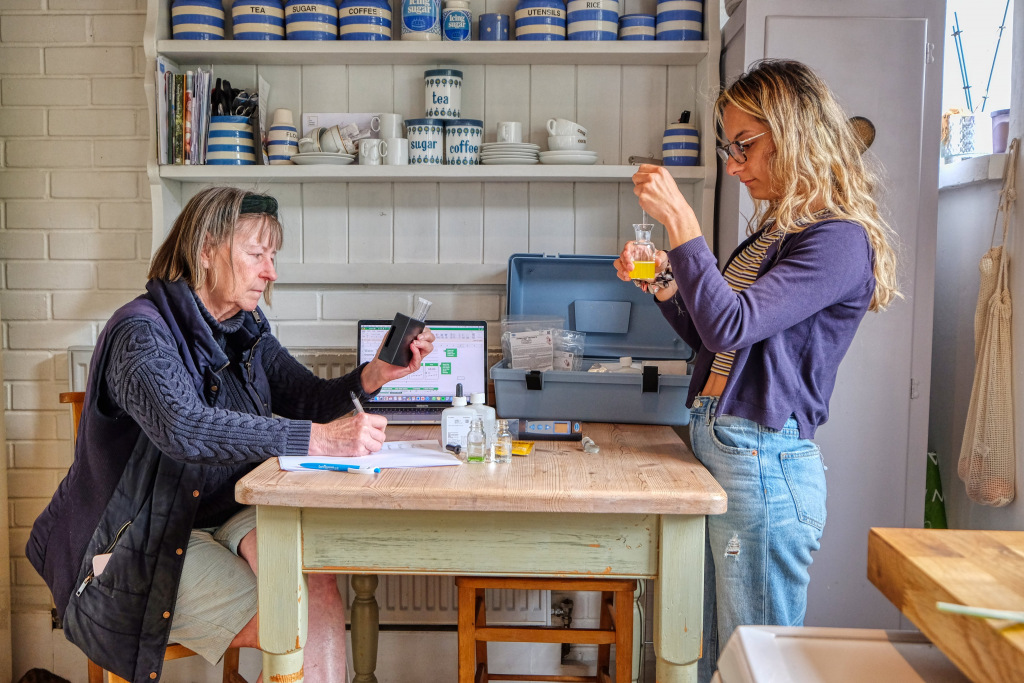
[618,319]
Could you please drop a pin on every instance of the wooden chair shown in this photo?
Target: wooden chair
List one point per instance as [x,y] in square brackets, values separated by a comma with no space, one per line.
[616,628]
[173,651]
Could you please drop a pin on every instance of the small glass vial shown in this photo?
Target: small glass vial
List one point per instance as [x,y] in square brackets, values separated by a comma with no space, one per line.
[476,447]
[643,251]
[457,20]
[503,443]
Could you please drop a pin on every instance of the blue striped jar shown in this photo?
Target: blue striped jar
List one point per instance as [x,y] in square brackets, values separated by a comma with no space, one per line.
[680,19]
[636,27]
[197,20]
[257,19]
[231,142]
[592,19]
[364,20]
[680,145]
[540,20]
[282,138]
[311,20]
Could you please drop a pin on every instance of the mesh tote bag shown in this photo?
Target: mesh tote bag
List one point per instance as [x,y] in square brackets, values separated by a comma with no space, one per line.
[987,454]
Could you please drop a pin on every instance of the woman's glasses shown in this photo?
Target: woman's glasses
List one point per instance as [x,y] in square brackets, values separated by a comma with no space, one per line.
[737,149]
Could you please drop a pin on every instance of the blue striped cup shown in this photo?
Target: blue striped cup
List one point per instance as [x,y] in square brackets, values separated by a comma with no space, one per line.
[540,20]
[636,27]
[592,19]
[311,20]
[231,142]
[680,145]
[197,20]
[257,19]
[364,20]
[680,19]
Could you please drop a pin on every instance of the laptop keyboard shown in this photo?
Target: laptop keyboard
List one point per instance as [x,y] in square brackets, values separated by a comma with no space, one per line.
[408,415]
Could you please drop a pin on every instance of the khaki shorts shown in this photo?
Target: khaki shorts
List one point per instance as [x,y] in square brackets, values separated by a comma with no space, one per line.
[217,592]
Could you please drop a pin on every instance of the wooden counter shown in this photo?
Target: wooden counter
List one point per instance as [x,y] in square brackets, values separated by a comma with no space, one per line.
[915,568]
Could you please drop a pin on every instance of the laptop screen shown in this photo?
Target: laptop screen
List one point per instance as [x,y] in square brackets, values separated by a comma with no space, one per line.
[459,356]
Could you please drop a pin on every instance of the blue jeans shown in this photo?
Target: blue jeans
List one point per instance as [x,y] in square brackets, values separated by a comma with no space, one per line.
[759,551]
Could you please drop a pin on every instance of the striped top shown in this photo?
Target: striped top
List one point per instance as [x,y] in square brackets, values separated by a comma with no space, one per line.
[740,274]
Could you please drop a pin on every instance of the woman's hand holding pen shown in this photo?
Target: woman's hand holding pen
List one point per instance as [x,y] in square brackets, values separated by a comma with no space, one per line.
[359,434]
[660,197]
[377,373]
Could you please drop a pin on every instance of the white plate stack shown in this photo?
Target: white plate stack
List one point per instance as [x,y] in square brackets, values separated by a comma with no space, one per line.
[582,157]
[335,158]
[509,153]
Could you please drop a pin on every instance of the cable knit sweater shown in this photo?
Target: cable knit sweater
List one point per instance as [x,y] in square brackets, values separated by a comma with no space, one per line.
[177,408]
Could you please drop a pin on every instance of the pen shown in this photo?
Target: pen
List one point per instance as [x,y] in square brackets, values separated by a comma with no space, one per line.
[981,612]
[355,402]
[354,469]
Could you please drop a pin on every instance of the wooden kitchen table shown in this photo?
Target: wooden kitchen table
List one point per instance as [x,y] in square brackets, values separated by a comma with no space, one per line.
[915,568]
[634,510]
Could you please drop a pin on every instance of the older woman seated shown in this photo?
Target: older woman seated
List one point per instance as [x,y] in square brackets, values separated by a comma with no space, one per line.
[143,542]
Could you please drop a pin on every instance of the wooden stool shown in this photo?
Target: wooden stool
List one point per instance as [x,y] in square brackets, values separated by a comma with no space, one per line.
[173,651]
[616,627]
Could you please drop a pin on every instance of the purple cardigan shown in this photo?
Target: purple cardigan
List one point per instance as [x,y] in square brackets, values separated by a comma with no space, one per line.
[790,328]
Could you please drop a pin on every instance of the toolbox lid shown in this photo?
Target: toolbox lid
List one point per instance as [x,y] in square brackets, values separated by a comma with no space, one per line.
[618,318]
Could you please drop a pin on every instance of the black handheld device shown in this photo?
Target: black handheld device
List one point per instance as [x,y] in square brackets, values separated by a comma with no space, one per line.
[396,344]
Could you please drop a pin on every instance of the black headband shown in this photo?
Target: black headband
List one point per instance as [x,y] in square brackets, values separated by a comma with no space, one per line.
[259,203]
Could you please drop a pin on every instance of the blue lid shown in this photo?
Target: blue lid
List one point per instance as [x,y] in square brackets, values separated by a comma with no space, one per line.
[618,318]
[463,122]
[424,122]
[443,72]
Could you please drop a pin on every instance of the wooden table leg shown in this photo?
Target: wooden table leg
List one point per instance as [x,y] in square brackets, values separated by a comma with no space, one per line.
[283,594]
[639,614]
[679,598]
[365,628]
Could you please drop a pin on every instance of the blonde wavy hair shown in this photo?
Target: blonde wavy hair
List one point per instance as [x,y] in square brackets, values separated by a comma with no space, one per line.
[817,162]
[212,217]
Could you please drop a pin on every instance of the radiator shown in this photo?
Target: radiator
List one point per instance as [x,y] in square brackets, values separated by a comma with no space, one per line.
[409,600]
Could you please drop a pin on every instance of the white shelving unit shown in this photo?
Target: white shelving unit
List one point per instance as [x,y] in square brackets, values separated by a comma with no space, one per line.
[623,92]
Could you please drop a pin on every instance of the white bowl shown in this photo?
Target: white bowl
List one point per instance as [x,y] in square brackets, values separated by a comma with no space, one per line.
[566,142]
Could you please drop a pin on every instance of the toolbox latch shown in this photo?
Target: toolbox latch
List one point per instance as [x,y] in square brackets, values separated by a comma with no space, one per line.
[534,380]
[650,379]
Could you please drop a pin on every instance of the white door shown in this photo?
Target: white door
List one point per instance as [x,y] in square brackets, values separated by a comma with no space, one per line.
[880,66]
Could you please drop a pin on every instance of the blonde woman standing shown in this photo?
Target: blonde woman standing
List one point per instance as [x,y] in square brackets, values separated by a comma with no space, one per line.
[770,330]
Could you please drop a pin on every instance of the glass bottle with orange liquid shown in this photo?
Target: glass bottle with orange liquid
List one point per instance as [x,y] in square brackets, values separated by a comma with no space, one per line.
[643,251]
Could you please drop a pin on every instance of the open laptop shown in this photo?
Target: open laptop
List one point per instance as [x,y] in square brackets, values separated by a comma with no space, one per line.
[459,357]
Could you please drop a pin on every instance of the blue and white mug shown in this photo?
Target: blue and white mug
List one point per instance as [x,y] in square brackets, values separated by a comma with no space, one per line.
[197,20]
[364,20]
[426,141]
[311,20]
[540,20]
[462,138]
[257,20]
[231,142]
[680,145]
[680,19]
[592,19]
[637,27]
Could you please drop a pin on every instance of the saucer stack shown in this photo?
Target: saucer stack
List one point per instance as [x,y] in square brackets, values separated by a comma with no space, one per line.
[582,157]
[509,153]
[334,158]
